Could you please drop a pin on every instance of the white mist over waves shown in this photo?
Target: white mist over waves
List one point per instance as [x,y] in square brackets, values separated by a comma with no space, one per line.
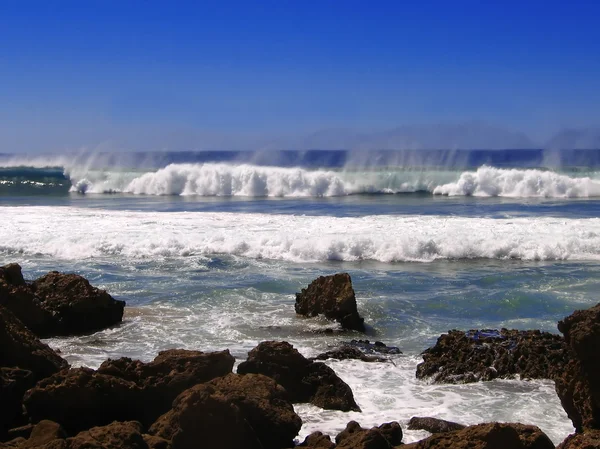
[259,181]
[74,233]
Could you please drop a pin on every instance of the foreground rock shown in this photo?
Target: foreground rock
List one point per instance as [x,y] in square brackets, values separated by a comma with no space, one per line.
[332,296]
[305,381]
[460,357]
[231,412]
[578,386]
[14,382]
[122,389]
[168,375]
[433,425]
[587,440]
[383,437]
[58,304]
[487,436]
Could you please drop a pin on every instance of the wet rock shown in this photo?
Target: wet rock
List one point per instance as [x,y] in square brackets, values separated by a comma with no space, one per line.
[332,296]
[168,375]
[318,440]
[588,440]
[21,348]
[460,357]
[58,304]
[250,411]
[376,347]
[488,436]
[305,381]
[383,437]
[578,386]
[80,398]
[117,435]
[433,425]
[348,352]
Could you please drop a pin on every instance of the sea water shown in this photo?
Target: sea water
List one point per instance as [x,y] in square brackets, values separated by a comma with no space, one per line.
[209,249]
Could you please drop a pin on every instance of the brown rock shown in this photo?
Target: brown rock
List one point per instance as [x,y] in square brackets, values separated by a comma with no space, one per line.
[21,348]
[332,296]
[14,382]
[579,384]
[155,442]
[305,381]
[57,304]
[433,425]
[460,357]
[117,435]
[43,433]
[234,411]
[383,437]
[80,398]
[588,440]
[318,440]
[488,436]
[168,375]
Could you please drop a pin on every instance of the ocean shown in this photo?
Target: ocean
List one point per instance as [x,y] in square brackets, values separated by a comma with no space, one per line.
[209,248]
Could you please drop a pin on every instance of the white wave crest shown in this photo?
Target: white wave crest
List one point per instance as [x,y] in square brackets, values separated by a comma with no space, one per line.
[73,233]
[489,181]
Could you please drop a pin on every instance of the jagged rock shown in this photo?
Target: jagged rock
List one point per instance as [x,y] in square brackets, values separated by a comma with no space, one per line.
[20,432]
[230,412]
[487,436]
[318,440]
[14,382]
[433,425]
[80,398]
[21,348]
[371,348]
[43,433]
[578,386]
[348,352]
[58,304]
[332,296]
[305,381]
[155,442]
[117,435]
[588,440]
[460,357]
[168,375]
[383,437]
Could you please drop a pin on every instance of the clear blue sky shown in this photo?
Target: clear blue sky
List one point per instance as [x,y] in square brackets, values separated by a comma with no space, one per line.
[185,75]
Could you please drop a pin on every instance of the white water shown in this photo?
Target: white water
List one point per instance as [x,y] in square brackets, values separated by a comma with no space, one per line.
[75,233]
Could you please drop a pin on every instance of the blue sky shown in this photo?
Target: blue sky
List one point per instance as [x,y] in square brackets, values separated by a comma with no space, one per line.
[237,74]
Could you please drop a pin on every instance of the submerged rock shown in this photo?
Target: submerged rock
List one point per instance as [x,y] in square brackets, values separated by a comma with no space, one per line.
[332,296]
[460,357]
[433,425]
[487,436]
[231,412]
[58,304]
[348,352]
[578,386]
[305,381]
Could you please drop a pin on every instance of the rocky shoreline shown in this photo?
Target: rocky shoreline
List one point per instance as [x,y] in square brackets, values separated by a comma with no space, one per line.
[193,399]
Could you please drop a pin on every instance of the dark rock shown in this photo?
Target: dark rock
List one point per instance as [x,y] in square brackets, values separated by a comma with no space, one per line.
[80,398]
[43,433]
[433,425]
[168,375]
[579,384]
[230,412]
[318,440]
[488,436]
[334,297]
[21,348]
[348,352]
[588,440]
[20,432]
[14,382]
[377,347]
[305,381]
[78,307]
[117,435]
[383,437]
[460,357]
[58,304]
[155,442]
